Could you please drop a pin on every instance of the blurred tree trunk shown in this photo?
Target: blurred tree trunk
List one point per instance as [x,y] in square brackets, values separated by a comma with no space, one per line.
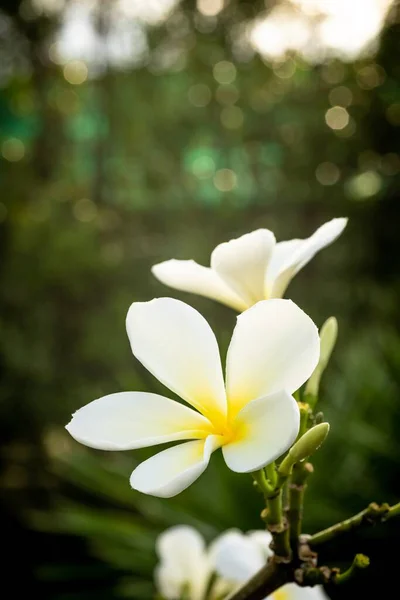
[104,94]
[37,30]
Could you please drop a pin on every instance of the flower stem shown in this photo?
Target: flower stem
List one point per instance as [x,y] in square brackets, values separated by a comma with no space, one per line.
[273,513]
[297,488]
[394,511]
[262,483]
[374,513]
[360,563]
[272,474]
[277,525]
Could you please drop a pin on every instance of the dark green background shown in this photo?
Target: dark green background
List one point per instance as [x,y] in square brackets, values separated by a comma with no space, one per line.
[108,186]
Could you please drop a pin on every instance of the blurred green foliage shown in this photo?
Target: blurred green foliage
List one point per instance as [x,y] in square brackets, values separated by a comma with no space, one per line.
[103,179]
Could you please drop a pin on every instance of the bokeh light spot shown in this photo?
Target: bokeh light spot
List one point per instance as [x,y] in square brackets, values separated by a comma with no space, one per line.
[285,70]
[232,117]
[340,96]
[333,72]
[210,8]
[13,149]
[227,94]
[55,55]
[370,77]
[85,210]
[199,95]
[203,167]
[75,72]
[224,72]
[365,185]
[327,173]
[225,180]
[347,131]
[337,117]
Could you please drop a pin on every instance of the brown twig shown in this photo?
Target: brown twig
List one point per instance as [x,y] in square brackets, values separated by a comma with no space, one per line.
[265,582]
[374,513]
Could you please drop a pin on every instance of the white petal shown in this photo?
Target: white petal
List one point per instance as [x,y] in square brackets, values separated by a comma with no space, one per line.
[184,563]
[296,254]
[167,584]
[292,591]
[242,263]
[274,346]
[131,420]
[175,343]
[236,557]
[265,428]
[182,543]
[263,540]
[170,472]
[281,257]
[188,276]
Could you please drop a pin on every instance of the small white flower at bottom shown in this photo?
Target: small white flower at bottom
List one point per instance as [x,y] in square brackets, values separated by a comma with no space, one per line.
[186,566]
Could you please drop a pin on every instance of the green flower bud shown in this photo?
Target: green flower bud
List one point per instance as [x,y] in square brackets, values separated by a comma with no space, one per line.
[328,336]
[304,447]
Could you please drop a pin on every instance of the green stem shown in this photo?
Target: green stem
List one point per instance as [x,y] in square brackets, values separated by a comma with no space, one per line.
[275,510]
[394,511]
[278,526]
[297,488]
[272,474]
[374,513]
[360,563]
[261,480]
[273,514]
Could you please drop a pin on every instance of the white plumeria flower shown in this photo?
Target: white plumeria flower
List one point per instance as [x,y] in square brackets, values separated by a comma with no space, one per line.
[186,565]
[248,269]
[237,557]
[253,417]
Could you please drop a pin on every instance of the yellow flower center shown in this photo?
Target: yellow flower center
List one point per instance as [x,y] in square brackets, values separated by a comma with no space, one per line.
[229,430]
[227,427]
[280,595]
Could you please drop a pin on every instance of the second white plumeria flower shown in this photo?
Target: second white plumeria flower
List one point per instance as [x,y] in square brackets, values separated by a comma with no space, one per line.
[237,557]
[186,565]
[253,417]
[250,268]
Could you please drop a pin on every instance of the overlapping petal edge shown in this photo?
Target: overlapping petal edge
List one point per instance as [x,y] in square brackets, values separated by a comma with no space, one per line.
[254,418]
